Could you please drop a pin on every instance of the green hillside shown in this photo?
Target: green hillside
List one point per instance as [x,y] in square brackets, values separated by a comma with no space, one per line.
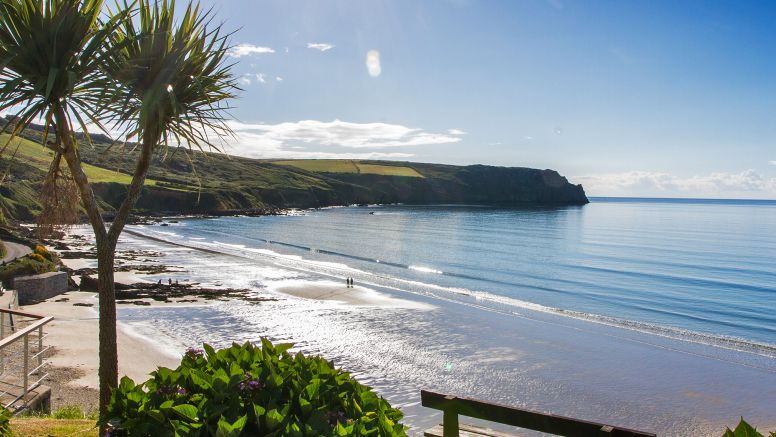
[39,157]
[185,182]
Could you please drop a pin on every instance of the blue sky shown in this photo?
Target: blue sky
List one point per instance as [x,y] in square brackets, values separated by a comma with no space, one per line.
[652,98]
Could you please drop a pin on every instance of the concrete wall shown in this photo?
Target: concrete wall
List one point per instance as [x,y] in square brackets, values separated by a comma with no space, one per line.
[36,288]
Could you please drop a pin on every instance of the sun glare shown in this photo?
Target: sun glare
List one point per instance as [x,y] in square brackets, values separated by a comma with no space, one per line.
[373,63]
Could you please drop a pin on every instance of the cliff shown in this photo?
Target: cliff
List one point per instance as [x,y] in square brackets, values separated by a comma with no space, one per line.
[214,183]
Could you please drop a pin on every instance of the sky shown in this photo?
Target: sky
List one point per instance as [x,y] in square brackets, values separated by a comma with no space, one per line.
[628,98]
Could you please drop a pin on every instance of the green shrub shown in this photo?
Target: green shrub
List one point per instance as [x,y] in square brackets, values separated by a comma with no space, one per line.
[250,390]
[745,430]
[5,421]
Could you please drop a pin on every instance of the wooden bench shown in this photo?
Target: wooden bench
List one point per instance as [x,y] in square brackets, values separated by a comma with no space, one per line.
[453,406]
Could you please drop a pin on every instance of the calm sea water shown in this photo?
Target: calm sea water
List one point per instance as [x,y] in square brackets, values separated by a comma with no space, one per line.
[650,313]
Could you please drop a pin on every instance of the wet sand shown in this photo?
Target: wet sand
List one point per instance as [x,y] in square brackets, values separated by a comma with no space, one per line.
[332,291]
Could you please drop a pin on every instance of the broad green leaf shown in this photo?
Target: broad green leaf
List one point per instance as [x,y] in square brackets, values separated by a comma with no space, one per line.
[187,411]
[274,419]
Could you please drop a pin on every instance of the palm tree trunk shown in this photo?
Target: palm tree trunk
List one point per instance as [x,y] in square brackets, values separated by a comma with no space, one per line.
[106,251]
[108,347]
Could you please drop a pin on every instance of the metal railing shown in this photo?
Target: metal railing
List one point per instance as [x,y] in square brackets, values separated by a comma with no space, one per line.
[21,354]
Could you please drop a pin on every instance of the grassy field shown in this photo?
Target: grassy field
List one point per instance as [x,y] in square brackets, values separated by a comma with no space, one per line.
[35,427]
[350,166]
[388,170]
[40,157]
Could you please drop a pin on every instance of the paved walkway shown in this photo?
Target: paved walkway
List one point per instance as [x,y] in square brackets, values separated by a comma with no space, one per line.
[14,250]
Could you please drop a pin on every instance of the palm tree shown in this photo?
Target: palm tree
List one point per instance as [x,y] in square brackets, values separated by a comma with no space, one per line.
[51,53]
[164,82]
[173,87]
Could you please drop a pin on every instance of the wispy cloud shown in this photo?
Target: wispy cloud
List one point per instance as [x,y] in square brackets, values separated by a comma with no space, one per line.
[321,139]
[322,46]
[748,183]
[246,49]
[249,78]
[772,162]
[456,132]
[528,138]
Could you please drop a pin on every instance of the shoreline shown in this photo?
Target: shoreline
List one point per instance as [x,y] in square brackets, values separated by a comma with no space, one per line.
[74,362]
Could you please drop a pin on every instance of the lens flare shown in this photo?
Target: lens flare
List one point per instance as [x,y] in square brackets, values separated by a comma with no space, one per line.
[373,63]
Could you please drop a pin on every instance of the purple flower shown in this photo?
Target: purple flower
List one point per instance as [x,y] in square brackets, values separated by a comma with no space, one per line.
[170,390]
[250,385]
[335,416]
[193,353]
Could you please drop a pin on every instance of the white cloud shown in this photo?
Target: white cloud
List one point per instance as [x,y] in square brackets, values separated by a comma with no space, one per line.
[747,183]
[322,46]
[278,78]
[456,132]
[320,139]
[772,162]
[248,78]
[528,138]
[373,63]
[245,49]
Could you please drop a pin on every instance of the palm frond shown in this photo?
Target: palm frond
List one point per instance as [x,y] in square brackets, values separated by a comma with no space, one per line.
[174,82]
[50,54]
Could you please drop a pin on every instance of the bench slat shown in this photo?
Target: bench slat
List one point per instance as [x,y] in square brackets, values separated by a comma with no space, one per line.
[468,431]
[522,418]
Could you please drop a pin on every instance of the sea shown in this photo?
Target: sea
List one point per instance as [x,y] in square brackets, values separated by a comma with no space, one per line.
[654,314]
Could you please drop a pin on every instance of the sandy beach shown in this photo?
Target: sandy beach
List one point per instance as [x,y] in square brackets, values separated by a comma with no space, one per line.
[74,361]
[73,335]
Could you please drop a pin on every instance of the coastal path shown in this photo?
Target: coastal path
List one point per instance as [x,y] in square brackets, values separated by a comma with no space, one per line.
[14,250]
